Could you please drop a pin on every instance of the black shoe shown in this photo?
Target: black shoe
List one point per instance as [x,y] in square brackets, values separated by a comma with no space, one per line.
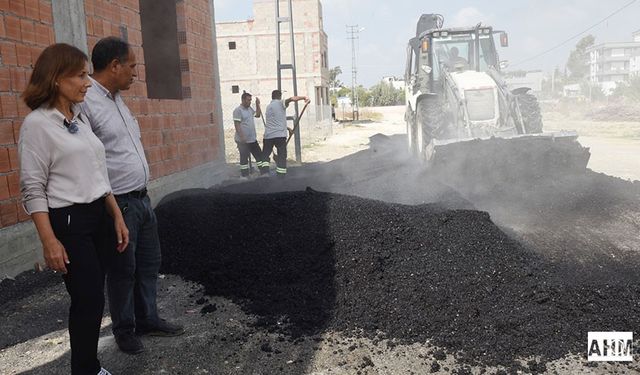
[162,328]
[129,343]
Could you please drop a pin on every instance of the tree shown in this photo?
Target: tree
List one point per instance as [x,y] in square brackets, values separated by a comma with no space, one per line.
[592,91]
[552,84]
[342,91]
[629,89]
[578,63]
[334,82]
[384,94]
[364,96]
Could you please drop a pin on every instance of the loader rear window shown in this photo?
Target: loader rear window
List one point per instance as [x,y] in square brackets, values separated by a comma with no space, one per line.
[480,104]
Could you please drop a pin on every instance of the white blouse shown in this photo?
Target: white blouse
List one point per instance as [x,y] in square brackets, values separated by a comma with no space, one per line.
[59,168]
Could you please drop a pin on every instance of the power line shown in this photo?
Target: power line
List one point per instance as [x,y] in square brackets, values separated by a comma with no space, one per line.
[577,35]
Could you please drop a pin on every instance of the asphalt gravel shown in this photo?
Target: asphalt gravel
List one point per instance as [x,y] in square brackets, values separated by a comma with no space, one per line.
[308,262]
[553,260]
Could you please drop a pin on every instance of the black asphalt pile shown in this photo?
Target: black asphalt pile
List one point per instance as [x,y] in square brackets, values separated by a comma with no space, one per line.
[27,283]
[307,262]
[31,306]
[586,222]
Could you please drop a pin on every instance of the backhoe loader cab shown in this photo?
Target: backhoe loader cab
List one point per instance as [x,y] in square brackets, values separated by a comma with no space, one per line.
[453,50]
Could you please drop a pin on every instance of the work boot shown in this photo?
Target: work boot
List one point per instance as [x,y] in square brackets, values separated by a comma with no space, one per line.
[129,343]
[264,172]
[162,328]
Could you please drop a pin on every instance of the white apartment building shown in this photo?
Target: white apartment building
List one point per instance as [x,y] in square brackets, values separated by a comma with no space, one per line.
[634,64]
[614,62]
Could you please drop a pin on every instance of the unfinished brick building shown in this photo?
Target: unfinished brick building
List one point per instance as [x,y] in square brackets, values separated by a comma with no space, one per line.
[176,98]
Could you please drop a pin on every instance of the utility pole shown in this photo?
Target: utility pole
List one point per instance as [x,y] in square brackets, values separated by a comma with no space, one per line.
[291,66]
[352,32]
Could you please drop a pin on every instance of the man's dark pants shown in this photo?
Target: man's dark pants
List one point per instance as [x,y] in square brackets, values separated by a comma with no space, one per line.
[248,149]
[281,157]
[132,277]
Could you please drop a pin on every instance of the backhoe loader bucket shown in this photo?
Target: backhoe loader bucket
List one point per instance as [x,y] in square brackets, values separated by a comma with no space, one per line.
[512,159]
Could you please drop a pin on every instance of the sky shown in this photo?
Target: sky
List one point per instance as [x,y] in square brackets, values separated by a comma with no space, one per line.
[534,26]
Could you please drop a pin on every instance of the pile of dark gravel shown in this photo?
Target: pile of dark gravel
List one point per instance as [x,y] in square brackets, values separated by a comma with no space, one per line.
[306,262]
[25,284]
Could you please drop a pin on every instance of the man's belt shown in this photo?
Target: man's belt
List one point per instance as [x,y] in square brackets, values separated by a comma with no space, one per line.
[134,194]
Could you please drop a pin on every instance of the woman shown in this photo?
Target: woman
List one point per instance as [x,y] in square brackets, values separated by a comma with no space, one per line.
[65,189]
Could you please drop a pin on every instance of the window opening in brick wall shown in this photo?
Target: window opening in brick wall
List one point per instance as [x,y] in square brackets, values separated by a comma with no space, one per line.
[235,89]
[161,49]
[232,45]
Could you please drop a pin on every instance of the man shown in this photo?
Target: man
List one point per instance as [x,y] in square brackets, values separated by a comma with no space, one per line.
[245,137]
[131,280]
[276,131]
[456,62]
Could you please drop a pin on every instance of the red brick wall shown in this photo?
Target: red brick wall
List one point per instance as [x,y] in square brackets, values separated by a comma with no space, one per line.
[177,134]
[26,28]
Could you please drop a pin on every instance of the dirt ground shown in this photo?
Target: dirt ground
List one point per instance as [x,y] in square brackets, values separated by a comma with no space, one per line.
[345,140]
[225,340]
[614,145]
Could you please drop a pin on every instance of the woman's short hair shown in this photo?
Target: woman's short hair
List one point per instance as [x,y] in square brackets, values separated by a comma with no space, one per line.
[56,61]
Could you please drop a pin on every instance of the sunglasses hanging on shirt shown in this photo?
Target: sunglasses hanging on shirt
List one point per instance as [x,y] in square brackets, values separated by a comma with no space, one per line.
[72,126]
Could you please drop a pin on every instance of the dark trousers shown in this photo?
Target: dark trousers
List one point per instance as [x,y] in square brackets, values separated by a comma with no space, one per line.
[281,157]
[85,232]
[248,149]
[132,278]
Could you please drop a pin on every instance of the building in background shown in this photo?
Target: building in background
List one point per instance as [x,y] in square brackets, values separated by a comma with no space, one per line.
[634,64]
[248,61]
[572,91]
[614,62]
[175,98]
[395,82]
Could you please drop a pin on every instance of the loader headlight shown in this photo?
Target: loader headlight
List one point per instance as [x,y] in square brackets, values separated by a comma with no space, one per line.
[425,46]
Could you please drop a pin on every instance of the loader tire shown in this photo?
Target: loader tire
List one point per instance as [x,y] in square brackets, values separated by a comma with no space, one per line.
[531,114]
[430,119]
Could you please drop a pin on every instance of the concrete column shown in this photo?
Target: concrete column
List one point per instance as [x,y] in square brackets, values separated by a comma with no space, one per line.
[70,23]
[216,77]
